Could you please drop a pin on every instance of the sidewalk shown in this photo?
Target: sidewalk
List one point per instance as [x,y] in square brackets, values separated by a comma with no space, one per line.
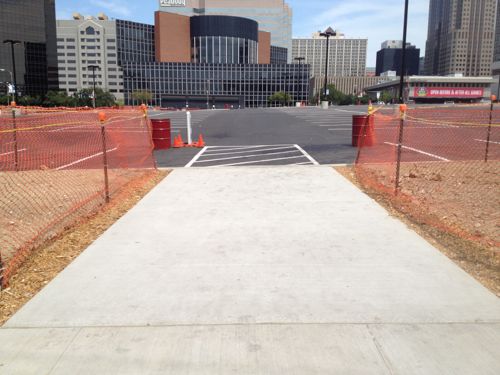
[277,270]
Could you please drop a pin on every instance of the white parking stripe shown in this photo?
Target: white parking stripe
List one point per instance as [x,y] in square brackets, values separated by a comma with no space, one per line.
[197,156]
[83,159]
[246,156]
[253,150]
[418,151]
[307,155]
[485,141]
[258,161]
[11,152]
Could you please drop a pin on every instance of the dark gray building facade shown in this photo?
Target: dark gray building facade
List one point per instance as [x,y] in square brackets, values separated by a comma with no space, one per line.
[33,23]
[391,58]
[279,55]
[220,85]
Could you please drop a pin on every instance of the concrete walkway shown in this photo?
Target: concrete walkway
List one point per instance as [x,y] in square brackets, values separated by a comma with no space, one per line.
[285,270]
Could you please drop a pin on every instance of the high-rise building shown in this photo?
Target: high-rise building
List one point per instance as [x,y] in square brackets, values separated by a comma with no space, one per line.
[33,24]
[389,58]
[273,16]
[460,37]
[99,41]
[496,56]
[347,56]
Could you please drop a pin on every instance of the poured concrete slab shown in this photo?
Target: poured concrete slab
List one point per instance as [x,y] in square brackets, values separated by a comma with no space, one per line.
[256,249]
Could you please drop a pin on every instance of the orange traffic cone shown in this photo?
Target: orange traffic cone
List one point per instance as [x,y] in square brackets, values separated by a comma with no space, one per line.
[201,142]
[178,143]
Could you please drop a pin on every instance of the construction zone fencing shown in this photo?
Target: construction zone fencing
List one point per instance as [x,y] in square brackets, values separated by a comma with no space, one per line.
[438,165]
[60,166]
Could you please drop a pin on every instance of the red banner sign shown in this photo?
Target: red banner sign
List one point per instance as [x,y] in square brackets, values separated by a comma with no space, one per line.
[448,92]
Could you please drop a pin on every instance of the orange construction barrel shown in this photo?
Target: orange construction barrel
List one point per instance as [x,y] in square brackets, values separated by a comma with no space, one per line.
[162,134]
[363,132]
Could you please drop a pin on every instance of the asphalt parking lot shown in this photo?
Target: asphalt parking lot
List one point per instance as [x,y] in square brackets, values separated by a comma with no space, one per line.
[264,136]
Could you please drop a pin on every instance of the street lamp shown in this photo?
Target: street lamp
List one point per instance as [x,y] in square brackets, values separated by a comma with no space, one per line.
[300,59]
[93,68]
[327,34]
[12,44]
[208,93]
[11,81]
[403,56]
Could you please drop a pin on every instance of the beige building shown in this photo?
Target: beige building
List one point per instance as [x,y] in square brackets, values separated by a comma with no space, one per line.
[346,85]
[347,56]
[273,16]
[461,36]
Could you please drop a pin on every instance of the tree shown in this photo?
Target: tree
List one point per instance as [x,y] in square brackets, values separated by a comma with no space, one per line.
[142,96]
[103,98]
[59,99]
[280,97]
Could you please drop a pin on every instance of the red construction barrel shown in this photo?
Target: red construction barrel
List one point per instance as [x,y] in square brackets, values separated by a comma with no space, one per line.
[162,134]
[363,132]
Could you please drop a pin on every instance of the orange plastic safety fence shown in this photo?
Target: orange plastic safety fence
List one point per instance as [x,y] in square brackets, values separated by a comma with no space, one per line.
[51,171]
[449,168]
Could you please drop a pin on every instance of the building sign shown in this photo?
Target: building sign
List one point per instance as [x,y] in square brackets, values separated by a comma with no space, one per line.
[172,3]
[448,92]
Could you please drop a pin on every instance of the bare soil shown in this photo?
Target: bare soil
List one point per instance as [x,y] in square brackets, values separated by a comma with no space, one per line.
[456,212]
[48,260]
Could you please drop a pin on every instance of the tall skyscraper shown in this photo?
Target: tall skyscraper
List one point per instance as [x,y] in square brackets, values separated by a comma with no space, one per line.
[33,24]
[274,16]
[347,56]
[460,37]
[389,58]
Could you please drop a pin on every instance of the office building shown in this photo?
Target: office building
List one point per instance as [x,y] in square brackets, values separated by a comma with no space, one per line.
[346,85]
[389,58]
[460,37]
[347,56]
[496,57]
[97,41]
[33,24]
[273,16]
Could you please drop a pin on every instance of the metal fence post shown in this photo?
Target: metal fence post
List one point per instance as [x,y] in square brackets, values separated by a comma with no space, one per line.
[102,119]
[402,114]
[16,148]
[488,137]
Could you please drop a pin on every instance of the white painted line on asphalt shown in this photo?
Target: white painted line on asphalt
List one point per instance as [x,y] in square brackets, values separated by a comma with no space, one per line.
[346,111]
[253,150]
[11,152]
[73,127]
[307,155]
[246,156]
[485,141]
[83,159]
[213,149]
[304,163]
[257,161]
[196,157]
[343,129]
[418,151]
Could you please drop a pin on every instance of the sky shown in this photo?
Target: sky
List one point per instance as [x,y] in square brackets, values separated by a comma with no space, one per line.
[375,20]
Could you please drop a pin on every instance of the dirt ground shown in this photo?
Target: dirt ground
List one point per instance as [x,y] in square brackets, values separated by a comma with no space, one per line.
[455,208]
[53,256]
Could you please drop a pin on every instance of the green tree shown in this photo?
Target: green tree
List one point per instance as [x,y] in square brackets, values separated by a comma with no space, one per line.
[280,97]
[386,97]
[142,96]
[103,98]
[59,99]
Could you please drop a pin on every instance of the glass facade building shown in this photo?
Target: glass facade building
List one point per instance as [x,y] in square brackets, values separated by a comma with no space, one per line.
[219,85]
[32,22]
[279,55]
[224,40]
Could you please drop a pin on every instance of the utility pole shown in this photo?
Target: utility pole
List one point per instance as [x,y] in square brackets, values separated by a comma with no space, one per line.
[12,44]
[403,56]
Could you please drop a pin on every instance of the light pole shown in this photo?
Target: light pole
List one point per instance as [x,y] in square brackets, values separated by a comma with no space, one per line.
[300,59]
[93,68]
[12,44]
[403,56]
[208,94]
[327,34]
[11,81]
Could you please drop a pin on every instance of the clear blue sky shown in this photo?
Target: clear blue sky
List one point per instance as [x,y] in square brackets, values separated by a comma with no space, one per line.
[377,20]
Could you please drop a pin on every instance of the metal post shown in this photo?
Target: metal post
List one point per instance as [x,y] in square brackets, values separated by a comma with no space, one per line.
[105,161]
[189,132]
[403,56]
[488,137]
[16,148]
[208,93]
[402,110]
[326,66]
[93,67]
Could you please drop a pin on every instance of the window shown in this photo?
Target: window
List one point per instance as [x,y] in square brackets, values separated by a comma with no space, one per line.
[89,31]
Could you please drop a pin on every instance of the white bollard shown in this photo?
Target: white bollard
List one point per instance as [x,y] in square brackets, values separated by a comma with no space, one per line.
[188,115]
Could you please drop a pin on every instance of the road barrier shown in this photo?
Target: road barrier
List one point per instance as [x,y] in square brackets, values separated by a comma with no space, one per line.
[440,166]
[60,166]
